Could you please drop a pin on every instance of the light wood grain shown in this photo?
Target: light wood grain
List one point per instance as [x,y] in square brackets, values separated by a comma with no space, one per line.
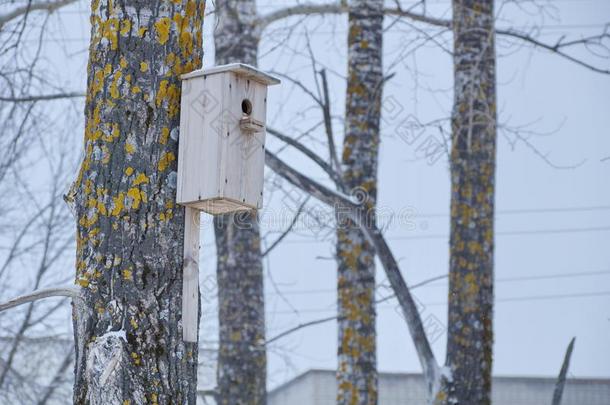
[190,277]
[221,165]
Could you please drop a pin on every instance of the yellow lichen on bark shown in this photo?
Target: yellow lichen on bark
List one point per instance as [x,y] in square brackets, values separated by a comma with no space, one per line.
[162,27]
[141,178]
[166,160]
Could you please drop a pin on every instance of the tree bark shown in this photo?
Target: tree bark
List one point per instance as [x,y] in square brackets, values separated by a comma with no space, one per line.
[357,357]
[473,162]
[128,333]
[242,356]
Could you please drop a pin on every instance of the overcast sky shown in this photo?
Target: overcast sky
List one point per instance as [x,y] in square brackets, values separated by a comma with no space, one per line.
[553,217]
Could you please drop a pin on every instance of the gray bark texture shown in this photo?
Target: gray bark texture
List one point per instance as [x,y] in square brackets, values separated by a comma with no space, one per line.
[242,356]
[473,164]
[128,333]
[357,357]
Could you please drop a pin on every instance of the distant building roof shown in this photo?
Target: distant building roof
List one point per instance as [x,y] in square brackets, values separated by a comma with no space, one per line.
[318,387]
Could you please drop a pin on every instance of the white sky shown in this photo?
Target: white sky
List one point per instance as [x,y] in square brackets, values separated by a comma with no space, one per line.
[550,221]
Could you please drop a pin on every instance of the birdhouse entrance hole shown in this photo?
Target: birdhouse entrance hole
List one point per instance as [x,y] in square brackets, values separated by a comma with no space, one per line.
[246,106]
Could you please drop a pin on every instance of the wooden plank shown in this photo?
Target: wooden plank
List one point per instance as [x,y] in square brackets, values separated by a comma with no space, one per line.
[234,164]
[206,172]
[224,135]
[218,206]
[190,139]
[253,178]
[200,123]
[185,102]
[190,276]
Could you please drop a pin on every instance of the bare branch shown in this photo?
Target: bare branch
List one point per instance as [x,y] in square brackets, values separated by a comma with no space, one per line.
[334,317]
[288,230]
[300,10]
[57,378]
[43,97]
[339,8]
[561,379]
[309,153]
[557,48]
[328,124]
[299,327]
[414,286]
[70,292]
[13,252]
[342,203]
[300,85]
[48,6]
[399,12]
[518,136]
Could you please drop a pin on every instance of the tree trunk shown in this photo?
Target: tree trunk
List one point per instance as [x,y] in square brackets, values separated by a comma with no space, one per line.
[357,358]
[129,347]
[242,357]
[473,161]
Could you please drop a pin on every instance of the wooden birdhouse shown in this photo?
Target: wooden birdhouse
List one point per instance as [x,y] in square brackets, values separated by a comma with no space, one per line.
[222,138]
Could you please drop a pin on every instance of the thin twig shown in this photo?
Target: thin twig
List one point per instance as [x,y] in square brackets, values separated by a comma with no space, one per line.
[288,230]
[335,317]
[328,124]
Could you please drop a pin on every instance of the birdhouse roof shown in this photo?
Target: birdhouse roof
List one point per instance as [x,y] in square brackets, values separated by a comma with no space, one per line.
[241,69]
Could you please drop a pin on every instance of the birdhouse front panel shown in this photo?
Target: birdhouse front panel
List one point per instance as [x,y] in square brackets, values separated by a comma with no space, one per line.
[222,139]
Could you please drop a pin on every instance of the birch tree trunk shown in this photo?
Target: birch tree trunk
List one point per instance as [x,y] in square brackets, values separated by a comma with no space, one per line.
[129,347]
[242,357]
[357,357]
[473,161]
